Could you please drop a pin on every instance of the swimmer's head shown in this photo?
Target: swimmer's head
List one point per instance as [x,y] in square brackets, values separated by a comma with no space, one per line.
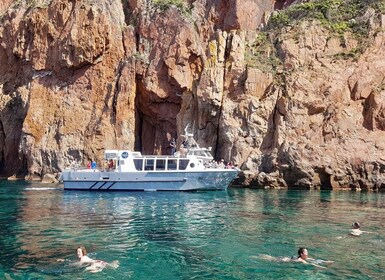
[302,253]
[356,225]
[81,251]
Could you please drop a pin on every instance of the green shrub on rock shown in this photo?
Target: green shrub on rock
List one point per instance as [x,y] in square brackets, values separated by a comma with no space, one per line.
[166,4]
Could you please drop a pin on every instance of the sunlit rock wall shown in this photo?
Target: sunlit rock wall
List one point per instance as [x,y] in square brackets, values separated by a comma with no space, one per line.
[78,77]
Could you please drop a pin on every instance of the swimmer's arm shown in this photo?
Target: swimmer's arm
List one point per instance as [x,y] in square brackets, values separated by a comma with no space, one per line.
[322,261]
[311,263]
[319,261]
[64,260]
[89,261]
[316,265]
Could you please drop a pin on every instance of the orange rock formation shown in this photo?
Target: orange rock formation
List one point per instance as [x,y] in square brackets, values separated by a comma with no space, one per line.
[78,77]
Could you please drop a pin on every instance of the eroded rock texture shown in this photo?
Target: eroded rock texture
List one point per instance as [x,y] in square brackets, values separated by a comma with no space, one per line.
[78,77]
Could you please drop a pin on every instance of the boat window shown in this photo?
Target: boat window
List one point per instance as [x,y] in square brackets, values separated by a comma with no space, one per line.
[171,164]
[160,164]
[138,164]
[183,164]
[110,155]
[149,164]
[192,165]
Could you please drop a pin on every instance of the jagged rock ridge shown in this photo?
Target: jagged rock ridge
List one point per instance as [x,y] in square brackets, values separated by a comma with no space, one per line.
[82,76]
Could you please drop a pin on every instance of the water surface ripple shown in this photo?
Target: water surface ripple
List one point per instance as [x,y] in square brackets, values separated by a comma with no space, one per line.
[198,235]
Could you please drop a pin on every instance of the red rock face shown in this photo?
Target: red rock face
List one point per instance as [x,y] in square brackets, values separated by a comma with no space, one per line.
[4,6]
[79,77]
[66,78]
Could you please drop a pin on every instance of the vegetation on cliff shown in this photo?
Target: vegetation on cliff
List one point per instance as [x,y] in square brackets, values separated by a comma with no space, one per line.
[338,16]
[34,3]
[165,4]
[262,54]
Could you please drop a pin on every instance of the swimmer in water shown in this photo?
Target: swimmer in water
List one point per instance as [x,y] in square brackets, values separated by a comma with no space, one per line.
[356,230]
[302,257]
[95,265]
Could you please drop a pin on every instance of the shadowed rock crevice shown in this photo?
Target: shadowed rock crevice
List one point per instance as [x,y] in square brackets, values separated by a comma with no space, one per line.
[12,117]
[138,120]
[324,178]
[2,146]
[294,103]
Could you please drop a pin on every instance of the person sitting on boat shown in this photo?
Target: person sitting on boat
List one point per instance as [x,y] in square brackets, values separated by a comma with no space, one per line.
[95,265]
[229,165]
[111,165]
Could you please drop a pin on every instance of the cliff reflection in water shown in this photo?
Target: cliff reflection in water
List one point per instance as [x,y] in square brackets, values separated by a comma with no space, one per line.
[52,223]
[208,235]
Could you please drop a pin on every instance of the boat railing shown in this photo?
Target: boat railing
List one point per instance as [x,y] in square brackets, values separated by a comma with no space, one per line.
[83,168]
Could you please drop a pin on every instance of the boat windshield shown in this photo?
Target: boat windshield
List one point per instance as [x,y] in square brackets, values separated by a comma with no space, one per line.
[160,164]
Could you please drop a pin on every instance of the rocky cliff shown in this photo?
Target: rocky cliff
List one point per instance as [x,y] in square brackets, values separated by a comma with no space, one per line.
[293,93]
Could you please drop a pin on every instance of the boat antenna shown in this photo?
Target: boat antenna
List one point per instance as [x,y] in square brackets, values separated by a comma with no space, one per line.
[189,137]
[186,132]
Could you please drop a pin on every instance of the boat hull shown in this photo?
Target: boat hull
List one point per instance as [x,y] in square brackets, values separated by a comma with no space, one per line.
[217,179]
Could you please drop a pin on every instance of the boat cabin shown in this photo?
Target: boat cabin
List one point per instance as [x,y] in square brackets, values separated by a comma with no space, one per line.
[129,161]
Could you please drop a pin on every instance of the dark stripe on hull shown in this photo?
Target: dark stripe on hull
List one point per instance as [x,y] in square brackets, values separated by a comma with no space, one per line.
[142,190]
[102,185]
[92,185]
[121,181]
[111,185]
[129,182]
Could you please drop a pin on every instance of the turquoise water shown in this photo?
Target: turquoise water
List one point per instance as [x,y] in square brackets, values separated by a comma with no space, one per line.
[201,235]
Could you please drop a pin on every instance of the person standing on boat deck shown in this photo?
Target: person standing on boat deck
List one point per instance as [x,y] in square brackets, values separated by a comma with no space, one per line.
[173,146]
[93,165]
[182,151]
[185,143]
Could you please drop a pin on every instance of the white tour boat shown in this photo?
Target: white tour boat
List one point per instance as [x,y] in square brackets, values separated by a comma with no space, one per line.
[191,168]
